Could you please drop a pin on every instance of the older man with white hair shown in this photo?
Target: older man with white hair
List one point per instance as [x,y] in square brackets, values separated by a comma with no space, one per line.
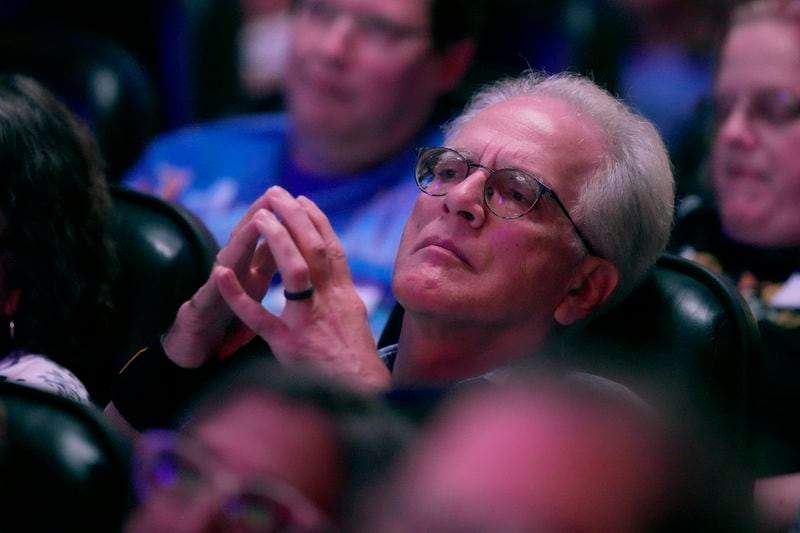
[549,200]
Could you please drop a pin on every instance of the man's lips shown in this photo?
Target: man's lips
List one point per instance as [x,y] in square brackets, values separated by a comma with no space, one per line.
[328,85]
[744,172]
[448,245]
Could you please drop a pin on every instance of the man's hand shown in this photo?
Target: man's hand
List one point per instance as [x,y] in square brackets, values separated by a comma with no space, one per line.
[327,330]
[205,325]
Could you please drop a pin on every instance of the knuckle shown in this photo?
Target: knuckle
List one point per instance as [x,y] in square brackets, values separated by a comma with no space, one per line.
[318,251]
[337,252]
[296,274]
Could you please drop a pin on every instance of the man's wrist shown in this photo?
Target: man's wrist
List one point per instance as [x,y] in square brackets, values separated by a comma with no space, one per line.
[150,387]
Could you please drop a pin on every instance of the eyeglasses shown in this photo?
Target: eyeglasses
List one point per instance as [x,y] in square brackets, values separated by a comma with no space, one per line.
[169,465]
[508,193]
[373,28]
[773,106]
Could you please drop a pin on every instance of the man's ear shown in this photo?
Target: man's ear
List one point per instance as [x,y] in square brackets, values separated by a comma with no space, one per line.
[11,301]
[591,286]
[454,62]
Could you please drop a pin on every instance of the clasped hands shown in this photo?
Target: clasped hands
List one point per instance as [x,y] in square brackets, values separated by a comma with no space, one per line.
[327,330]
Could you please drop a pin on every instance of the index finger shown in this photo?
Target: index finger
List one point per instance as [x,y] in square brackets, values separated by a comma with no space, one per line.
[304,234]
[238,253]
[339,269]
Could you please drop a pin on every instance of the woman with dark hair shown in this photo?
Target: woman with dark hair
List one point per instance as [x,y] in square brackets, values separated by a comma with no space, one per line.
[56,255]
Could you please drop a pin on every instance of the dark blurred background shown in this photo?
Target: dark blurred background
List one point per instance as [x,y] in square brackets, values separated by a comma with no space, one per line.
[136,69]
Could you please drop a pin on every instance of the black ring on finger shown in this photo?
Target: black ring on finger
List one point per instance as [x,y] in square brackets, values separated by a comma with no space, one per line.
[299,295]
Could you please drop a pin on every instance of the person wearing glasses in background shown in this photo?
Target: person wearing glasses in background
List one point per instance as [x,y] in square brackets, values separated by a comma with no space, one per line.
[749,227]
[550,200]
[264,450]
[365,82]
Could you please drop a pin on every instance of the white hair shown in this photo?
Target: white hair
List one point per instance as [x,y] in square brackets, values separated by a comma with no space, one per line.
[625,206]
[787,11]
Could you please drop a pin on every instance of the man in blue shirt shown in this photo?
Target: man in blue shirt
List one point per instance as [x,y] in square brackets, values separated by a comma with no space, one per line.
[362,82]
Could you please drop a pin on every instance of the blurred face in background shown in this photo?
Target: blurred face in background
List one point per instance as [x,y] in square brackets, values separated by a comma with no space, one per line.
[363,68]
[756,150]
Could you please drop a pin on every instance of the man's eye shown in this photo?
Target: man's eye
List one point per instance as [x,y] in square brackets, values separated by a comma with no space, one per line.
[447,173]
[320,10]
[519,197]
[377,27]
[722,106]
[381,29]
[777,107]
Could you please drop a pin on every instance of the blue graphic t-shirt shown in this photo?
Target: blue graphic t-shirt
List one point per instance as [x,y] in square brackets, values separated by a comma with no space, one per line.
[217,170]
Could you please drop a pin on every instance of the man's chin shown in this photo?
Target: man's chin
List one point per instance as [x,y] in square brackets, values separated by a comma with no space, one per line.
[744,212]
[747,228]
[319,122]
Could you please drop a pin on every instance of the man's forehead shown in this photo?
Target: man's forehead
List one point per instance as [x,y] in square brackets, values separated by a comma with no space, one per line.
[548,119]
[774,62]
[543,135]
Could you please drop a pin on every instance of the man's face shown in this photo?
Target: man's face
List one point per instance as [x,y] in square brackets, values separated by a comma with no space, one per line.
[755,159]
[514,462]
[460,262]
[254,441]
[362,67]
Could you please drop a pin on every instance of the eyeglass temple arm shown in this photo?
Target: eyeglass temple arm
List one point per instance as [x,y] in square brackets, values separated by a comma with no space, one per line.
[584,240]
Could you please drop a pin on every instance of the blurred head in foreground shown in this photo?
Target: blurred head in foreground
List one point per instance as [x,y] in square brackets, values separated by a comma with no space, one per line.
[265,451]
[580,454]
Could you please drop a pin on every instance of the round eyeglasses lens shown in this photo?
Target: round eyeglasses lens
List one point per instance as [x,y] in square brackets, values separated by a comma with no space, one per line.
[775,107]
[259,513]
[174,473]
[437,169]
[511,194]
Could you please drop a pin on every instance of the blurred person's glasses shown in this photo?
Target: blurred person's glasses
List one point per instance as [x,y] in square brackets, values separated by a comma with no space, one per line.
[774,106]
[169,465]
[370,26]
[509,193]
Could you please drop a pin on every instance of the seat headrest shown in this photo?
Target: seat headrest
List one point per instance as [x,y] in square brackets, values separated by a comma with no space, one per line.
[62,468]
[98,80]
[165,255]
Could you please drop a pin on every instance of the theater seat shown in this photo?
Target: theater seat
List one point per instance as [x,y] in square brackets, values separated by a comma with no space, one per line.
[687,327]
[683,330]
[62,468]
[166,253]
[98,80]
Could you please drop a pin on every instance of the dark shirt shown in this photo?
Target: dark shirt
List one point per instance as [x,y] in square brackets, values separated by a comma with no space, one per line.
[759,274]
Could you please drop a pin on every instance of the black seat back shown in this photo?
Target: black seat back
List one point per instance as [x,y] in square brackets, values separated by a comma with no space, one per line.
[97,79]
[683,329]
[166,254]
[687,328]
[62,468]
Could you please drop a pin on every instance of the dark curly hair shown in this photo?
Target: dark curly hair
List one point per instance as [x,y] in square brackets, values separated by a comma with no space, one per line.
[55,244]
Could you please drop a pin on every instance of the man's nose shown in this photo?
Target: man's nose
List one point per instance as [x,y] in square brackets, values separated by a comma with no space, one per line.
[466,198]
[738,127]
[337,39]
